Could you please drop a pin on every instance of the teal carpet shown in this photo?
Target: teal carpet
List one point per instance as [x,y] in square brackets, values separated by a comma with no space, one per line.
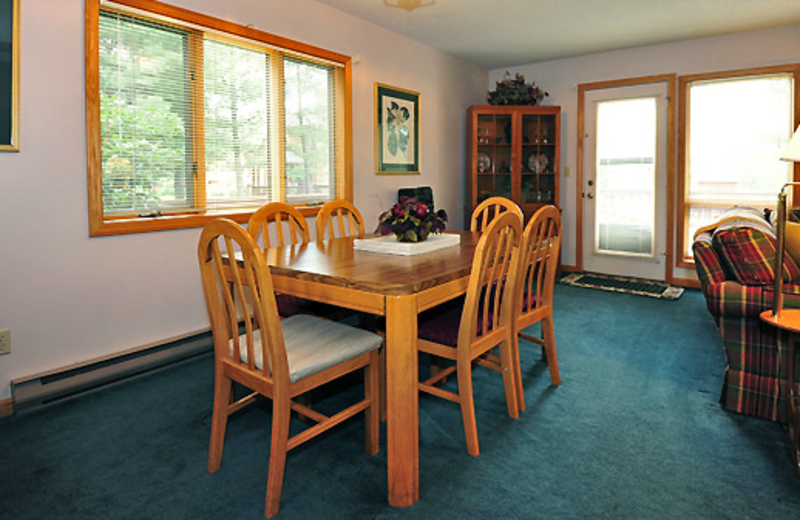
[635,431]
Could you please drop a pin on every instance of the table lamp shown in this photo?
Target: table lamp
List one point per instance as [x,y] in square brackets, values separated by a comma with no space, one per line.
[791,153]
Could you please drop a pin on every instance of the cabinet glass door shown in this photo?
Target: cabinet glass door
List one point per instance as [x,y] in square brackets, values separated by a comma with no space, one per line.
[494,156]
[538,159]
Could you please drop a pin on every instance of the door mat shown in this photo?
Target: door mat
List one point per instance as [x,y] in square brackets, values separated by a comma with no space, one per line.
[623,285]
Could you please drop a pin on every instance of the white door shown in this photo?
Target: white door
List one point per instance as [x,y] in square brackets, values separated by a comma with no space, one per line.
[625,181]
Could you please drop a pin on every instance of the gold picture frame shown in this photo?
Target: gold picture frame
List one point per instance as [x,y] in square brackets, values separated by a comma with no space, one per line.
[9,75]
[396,130]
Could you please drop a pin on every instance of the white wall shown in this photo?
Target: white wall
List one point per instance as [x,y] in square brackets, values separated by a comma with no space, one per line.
[68,298]
[562,77]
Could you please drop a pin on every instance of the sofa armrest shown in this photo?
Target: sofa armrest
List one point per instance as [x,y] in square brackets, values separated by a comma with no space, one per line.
[732,299]
[708,265]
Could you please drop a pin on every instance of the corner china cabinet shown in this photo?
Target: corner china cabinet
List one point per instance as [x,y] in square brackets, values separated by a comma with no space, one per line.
[514,152]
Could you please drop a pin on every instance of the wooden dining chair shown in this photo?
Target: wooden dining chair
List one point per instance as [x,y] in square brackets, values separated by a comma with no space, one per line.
[278,224]
[490,208]
[289,226]
[277,359]
[339,218]
[538,264]
[466,330]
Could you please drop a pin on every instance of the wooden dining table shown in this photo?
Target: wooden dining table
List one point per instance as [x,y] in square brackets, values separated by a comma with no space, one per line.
[397,287]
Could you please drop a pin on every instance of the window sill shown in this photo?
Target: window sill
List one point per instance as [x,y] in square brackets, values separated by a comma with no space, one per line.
[132,225]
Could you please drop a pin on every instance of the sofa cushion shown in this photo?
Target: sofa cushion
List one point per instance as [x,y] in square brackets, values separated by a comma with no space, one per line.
[749,254]
[792,240]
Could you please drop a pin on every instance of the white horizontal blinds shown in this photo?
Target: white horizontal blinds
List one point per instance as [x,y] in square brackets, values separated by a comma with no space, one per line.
[194,120]
[310,131]
[238,107]
[145,112]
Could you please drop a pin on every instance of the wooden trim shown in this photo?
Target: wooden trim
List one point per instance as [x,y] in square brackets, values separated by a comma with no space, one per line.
[345,189]
[686,282]
[277,129]
[198,110]
[579,178]
[684,82]
[670,80]
[788,68]
[94,164]
[218,24]
[671,129]
[6,407]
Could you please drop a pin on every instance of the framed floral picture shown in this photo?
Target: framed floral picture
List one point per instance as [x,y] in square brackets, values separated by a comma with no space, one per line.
[9,75]
[396,130]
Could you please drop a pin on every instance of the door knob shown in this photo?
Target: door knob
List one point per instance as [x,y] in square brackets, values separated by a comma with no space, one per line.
[590,195]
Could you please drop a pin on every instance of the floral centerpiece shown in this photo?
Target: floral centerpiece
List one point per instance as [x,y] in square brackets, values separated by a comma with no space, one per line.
[411,221]
[514,91]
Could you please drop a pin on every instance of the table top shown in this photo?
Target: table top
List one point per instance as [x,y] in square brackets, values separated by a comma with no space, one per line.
[788,320]
[335,262]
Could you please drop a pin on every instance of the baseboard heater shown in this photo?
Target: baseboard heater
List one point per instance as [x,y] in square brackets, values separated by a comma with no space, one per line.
[38,390]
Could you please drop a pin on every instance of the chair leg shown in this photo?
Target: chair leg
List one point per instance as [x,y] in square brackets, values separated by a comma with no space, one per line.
[281,411]
[508,370]
[467,401]
[517,367]
[382,383]
[372,414]
[550,348]
[219,419]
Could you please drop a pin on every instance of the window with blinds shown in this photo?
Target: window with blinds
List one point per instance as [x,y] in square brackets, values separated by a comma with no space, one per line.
[731,150]
[198,122]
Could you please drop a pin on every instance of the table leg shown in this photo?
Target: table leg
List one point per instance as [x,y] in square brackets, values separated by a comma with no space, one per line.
[402,400]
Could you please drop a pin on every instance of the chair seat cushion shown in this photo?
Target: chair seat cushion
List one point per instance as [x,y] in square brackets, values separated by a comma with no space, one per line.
[441,323]
[315,344]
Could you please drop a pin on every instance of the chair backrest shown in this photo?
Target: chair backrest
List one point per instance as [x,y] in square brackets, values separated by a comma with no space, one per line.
[539,254]
[490,208]
[289,225]
[489,305]
[339,218]
[241,297]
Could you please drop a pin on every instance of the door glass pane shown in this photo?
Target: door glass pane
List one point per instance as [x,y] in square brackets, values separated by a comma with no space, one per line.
[625,176]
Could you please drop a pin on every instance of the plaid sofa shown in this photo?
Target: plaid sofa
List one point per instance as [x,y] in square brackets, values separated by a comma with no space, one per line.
[735,264]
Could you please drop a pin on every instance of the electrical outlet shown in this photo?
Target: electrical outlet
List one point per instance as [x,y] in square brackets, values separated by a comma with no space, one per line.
[5,341]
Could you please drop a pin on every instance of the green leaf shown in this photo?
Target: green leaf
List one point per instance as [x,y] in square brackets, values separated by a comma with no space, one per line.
[392,144]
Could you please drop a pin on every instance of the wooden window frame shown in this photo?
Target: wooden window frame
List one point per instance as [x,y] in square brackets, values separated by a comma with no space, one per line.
[102,225]
[684,83]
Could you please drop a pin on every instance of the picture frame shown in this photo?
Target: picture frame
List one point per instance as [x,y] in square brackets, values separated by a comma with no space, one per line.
[396,130]
[9,75]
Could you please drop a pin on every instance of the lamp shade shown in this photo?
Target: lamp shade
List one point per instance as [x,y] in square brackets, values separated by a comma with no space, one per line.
[791,152]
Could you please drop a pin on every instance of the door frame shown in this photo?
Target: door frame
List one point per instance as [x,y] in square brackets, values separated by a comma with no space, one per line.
[670,80]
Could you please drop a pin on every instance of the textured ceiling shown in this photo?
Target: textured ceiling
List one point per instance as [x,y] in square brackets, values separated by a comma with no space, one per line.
[505,33]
